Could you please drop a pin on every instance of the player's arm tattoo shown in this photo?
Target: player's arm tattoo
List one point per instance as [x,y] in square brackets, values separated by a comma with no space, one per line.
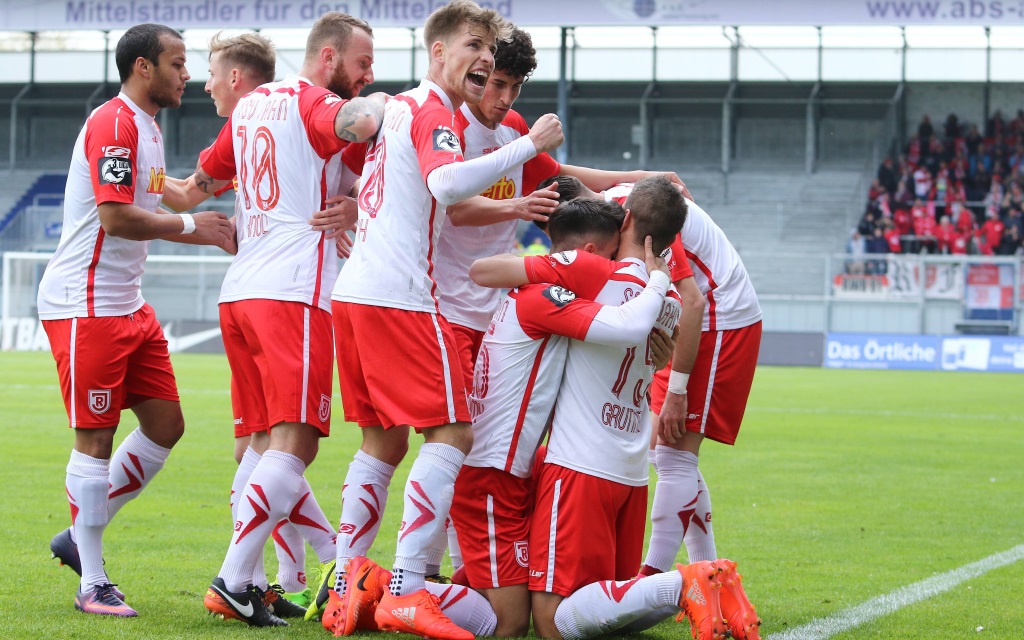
[360,118]
[204,181]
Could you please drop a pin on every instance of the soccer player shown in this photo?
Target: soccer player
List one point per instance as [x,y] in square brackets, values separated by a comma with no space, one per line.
[703,395]
[238,65]
[274,304]
[110,350]
[385,310]
[528,341]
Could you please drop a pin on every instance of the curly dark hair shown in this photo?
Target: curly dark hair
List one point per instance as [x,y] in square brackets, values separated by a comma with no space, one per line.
[516,56]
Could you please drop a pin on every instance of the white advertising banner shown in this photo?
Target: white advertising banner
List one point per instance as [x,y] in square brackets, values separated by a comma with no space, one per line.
[216,14]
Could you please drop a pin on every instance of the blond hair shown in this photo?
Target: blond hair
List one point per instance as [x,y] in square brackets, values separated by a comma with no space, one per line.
[333,29]
[444,23]
[252,52]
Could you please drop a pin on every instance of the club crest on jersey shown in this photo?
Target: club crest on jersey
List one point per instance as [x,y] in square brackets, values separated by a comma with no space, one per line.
[99,401]
[115,171]
[116,152]
[446,140]
[559,295]
[522,549]
[325,408]
[563,257]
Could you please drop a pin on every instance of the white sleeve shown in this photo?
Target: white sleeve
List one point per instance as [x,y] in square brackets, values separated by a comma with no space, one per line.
[630,323]
[456,181]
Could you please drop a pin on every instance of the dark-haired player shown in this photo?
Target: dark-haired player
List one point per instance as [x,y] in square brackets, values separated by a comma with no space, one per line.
[110,351]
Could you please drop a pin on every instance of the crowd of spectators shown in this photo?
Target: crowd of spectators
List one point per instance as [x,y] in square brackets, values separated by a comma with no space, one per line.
[953,191]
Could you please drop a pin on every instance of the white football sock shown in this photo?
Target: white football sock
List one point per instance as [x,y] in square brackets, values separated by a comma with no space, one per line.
[700,541]
[465,607]
[603,607]
[674,511]
[309,520]
[428,499]
[87,484]
[259,572]
[271,493]
[291,557]
[249,461]
[132,467]
[363,498]
[454,550]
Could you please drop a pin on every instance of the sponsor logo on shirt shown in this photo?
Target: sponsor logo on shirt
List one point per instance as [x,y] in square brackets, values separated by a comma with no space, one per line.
[331,99]
[559,295]
[115,171]
[503,189]
[156,180]
[446,140]
[116,152]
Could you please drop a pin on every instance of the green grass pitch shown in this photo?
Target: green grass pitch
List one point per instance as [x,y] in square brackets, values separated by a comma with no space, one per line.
[844,486]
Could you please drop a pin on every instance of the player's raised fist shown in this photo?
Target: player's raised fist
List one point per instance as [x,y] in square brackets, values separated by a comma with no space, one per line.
[546,133]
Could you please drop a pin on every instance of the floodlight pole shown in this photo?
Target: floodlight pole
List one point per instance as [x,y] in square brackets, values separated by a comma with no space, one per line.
[562,152]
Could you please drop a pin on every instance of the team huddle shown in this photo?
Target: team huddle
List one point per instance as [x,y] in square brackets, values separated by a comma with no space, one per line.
[542,409]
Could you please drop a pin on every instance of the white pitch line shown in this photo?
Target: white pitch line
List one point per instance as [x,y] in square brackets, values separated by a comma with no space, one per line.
[898,599]
[890,414]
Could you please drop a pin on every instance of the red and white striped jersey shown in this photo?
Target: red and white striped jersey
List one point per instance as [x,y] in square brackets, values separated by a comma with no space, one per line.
[281,143]
[393,258]
[462,301]
[601,425]
[718,271]
[118,157]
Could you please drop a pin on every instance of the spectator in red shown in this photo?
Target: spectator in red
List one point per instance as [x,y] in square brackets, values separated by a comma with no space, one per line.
[960,244]
[944,235]
[902,221]
[955,194]
[892,236]
[991,235]
[965,222]
[924,229]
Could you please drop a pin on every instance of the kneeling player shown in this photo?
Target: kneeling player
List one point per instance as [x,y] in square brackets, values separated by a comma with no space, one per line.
[527,340]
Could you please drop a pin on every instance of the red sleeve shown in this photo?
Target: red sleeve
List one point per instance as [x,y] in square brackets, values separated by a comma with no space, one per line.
[231,186]
[550,309]
[678,263]
[435,135]
[218,159]
[536,169]
[318,108]
[579,271]
[111,150]
[354,157]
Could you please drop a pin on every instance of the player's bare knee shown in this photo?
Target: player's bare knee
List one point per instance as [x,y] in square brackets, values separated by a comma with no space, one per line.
[386,445]
[458,435]
[95,443]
